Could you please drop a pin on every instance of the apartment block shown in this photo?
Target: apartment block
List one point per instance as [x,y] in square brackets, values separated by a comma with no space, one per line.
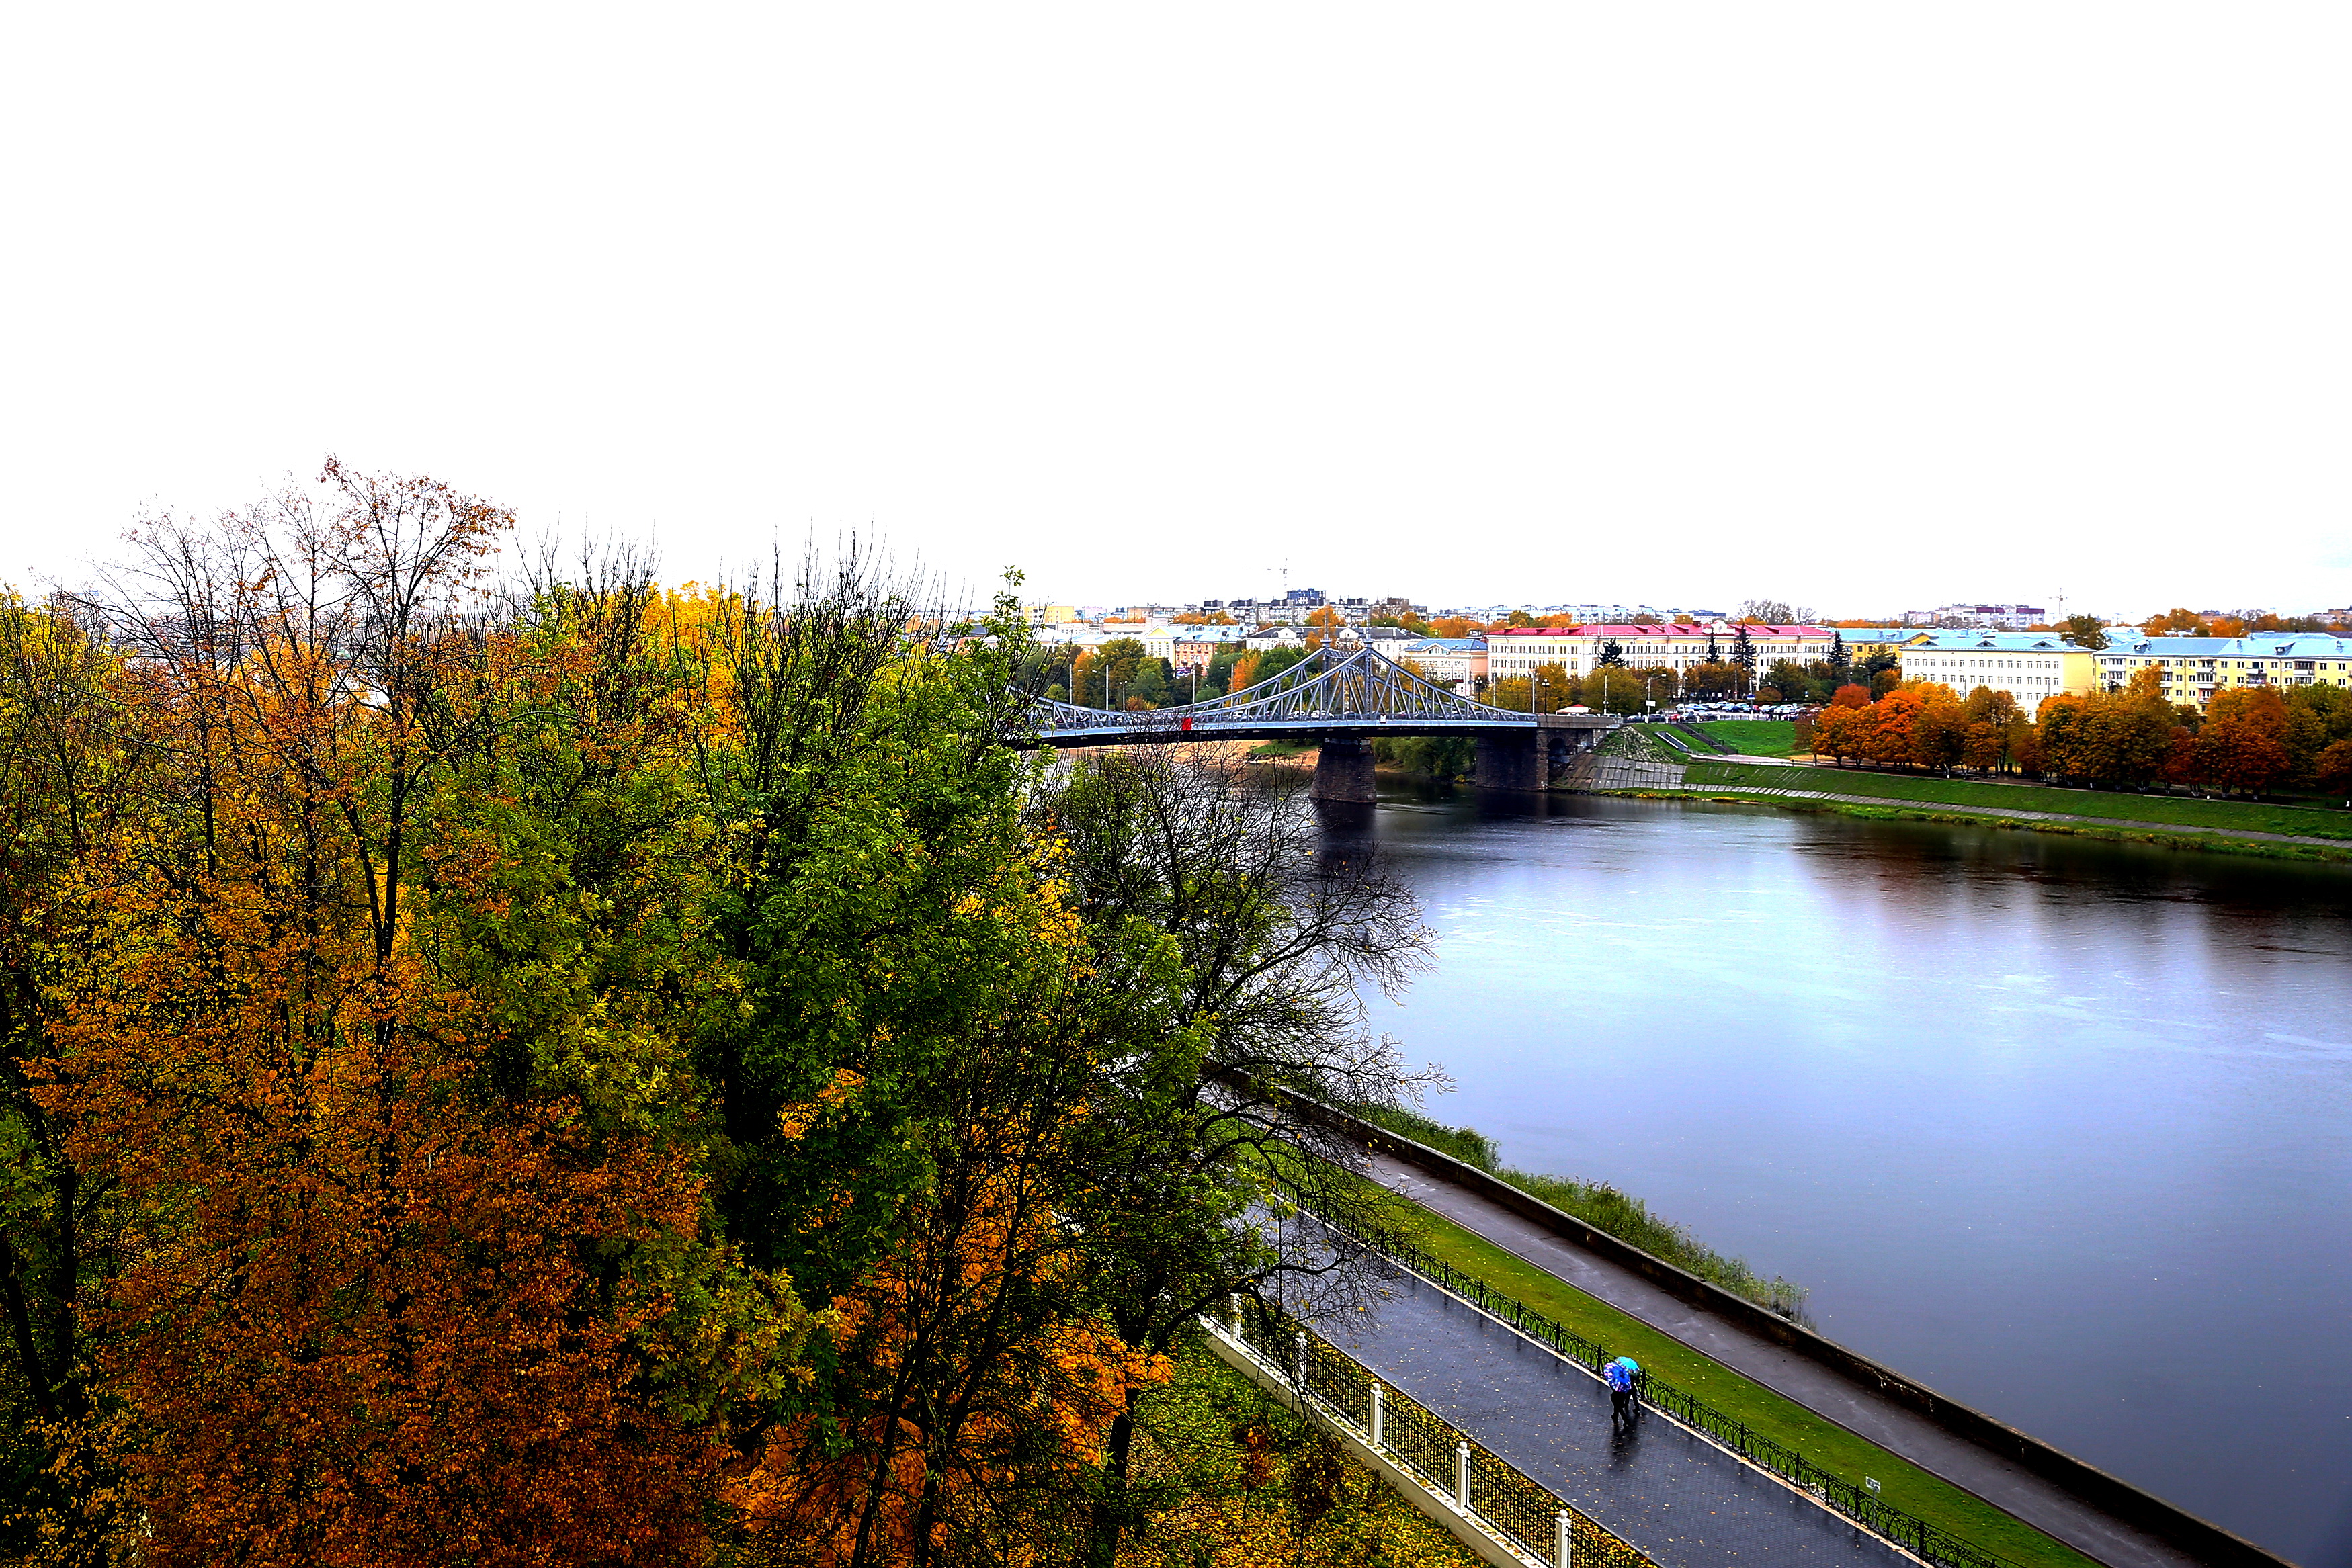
[2028,665]
[1516,654]
[2001,617]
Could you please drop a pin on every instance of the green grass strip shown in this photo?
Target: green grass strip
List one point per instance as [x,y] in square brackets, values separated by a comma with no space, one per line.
[1756,737]
[2159,811]
[1599,1205]
[1820,1439]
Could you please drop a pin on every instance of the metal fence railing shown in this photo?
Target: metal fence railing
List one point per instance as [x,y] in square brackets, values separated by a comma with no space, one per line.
[1931,1542]
[1534,1521]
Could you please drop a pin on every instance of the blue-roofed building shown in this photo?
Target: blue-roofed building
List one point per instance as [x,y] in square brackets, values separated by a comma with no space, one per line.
[2190,664]
[1456,661]
[2282,659]
[2029,666]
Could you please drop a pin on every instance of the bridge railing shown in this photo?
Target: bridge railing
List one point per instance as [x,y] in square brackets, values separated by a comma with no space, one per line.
[1538,1523]
[1363,685]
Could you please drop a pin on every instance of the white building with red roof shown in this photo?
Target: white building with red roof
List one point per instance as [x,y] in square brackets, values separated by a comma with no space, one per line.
[1518,652]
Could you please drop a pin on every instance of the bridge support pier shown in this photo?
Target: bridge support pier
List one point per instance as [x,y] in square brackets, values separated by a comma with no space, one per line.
[1343,770]
[1511,761]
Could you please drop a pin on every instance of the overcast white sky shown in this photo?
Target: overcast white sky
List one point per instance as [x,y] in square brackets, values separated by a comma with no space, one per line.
[1866,306]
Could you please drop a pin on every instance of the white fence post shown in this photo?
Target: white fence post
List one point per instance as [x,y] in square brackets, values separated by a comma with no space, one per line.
[1302,1361]
[1378,1409]
[1461,1475]
[1565,1557]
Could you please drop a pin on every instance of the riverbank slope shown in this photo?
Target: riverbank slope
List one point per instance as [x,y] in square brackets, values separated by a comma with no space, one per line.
[2237,827]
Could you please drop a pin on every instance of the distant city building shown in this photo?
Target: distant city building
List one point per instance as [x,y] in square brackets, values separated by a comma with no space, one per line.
[2193,668]
[1519,652]
[1297,607]
[1052,614]
[1862,643]
[2283,659]
[1193,653]
[2190,664]
[2028,665]
[1999,617]
[1456,661]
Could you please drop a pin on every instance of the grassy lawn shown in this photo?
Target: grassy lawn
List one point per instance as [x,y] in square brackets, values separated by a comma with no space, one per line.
[1756,737]
[1282,748]
[2157,810]
[1823,1441]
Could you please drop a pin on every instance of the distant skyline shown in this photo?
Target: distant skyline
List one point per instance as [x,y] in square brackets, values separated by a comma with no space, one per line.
[1841,304]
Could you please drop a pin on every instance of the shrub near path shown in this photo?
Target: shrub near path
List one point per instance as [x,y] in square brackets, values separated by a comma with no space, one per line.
[1251,1484]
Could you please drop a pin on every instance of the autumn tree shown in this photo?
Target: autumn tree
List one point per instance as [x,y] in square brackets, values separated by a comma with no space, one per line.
[2332,768]
[69,783]
[2241,744]
[1272,937]
[2084,631]
[1843,729]
[1517,692]
[377,1034]
[2118,737]
[2176,622]
[1996,729]
[1711,678]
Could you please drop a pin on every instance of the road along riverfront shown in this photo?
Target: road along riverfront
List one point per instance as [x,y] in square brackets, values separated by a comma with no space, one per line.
[1677,1498]
[1794,1376]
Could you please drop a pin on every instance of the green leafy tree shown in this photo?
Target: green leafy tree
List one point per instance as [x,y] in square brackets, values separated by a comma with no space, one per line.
[1151,683]
[2084,631]
[1273,942]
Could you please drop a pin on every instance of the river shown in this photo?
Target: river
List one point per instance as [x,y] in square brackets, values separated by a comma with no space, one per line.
[2062,1128]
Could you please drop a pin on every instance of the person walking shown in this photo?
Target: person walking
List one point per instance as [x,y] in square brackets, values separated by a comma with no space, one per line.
[1623,1404]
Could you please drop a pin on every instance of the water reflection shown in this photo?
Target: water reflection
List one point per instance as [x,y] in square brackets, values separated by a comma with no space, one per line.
[2064,1127]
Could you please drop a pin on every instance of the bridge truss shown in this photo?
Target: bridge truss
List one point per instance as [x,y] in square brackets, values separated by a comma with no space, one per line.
[1326,691]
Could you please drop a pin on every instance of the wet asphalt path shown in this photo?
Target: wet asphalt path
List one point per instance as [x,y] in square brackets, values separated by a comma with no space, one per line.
[1681,1501]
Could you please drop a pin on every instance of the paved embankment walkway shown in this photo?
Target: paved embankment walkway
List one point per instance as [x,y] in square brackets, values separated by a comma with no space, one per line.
[1651,781]
[1808,1383]
[1680,1500]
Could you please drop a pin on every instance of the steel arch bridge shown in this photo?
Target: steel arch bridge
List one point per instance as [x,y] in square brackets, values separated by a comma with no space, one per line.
[1326,695]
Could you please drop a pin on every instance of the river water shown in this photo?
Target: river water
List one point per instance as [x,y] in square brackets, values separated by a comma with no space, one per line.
[2062,1128]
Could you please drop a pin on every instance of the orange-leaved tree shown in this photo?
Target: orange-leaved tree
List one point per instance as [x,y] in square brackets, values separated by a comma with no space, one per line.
[2241,744]
[409,1237]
